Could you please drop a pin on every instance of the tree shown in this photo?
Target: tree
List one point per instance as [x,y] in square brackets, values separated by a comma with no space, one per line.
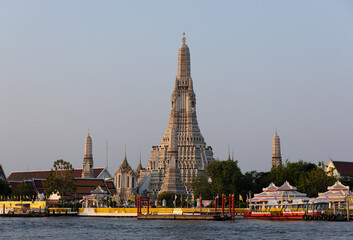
[308,177]
[256,181]
[292,172]
[202,186]
[347,180]
[168,196]
[4,188]
[317,180]
[226,177]
[60,180]
[23,190]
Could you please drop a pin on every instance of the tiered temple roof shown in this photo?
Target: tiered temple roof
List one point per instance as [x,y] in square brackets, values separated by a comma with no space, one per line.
[335,193]
[272,193]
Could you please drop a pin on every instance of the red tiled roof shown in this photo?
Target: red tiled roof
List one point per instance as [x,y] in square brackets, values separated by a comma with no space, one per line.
[84,186]
[344,168]
[28,175]
[14,184]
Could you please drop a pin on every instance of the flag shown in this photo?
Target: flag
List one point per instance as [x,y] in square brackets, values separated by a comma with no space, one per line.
[175,197]
[217,196]
[288,198]
[240,198]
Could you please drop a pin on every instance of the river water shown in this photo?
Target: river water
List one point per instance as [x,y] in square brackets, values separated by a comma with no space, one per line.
[130,228]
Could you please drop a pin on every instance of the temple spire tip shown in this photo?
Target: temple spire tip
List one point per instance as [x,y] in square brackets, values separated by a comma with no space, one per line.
[184,38]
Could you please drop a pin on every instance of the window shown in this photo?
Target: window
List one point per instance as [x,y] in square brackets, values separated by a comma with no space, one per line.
[133,182]
[119,182]
[128,182]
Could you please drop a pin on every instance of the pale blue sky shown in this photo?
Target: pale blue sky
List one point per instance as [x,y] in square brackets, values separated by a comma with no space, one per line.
[66,66]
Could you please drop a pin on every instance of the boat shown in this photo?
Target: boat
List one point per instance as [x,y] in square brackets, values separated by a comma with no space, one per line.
[287,210]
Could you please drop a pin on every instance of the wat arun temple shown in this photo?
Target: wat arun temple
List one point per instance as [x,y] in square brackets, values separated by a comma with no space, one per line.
[182,154]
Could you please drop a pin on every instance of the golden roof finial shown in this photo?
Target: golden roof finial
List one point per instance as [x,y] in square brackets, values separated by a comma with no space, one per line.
[184,38]
[276,132]
[88,132]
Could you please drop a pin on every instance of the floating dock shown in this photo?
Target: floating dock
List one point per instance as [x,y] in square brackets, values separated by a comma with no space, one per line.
[181,217]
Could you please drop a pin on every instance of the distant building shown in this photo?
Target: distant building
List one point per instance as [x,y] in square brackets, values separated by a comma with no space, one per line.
[86,172]
[100,173]
[339,169]
[276,153]
[2,174]
[88,159]
[84,186]
[125,180]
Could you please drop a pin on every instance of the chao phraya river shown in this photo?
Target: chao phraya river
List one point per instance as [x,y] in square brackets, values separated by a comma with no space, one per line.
[118,228]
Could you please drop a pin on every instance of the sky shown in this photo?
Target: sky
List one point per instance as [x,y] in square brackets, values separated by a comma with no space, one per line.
[109,66]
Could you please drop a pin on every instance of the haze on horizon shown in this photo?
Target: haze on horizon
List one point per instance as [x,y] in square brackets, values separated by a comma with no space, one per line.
[110,66]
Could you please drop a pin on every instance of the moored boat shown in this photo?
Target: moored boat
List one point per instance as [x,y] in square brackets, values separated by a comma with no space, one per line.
[296,210]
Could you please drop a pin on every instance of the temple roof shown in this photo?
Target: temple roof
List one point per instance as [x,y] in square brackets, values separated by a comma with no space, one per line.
[2,174]
[271,187]
[98,190]
[285,192]
[338,186]
[29,175]
[125,166]
[84,186]
[139,167]
[344,168]
[286,187]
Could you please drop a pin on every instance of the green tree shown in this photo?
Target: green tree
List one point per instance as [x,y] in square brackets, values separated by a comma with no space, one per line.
[168,196]
[256,181]
[226,177]
[5,189]
[315,181]
[347,180]
[60,180]
[202,186]
[293,172]
[23,190]
[308,177]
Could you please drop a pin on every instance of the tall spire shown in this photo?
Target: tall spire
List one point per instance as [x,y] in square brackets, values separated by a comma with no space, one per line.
[87,171]
[125,164]
[182,145]
[276,153]
[184,61]
[139,167]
